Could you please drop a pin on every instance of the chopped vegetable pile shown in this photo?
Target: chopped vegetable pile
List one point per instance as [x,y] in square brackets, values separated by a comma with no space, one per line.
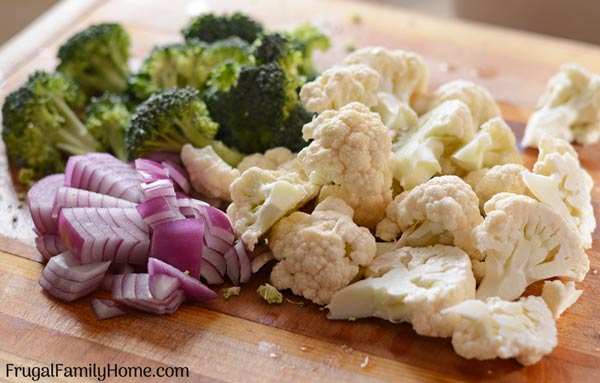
[371,195]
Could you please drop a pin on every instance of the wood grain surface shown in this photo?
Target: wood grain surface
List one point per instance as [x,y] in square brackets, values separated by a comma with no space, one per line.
[244,339]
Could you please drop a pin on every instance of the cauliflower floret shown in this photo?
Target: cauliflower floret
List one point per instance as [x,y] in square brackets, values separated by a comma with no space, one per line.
[262,197]
[548,144]
[486,183]
[403,74]
[209,174]
[339,86]
[444,210]
[522,241]
[495,328]
[494,144]
[272,159]
[440,132]
[351,148]
[410,285]
[319,253]
[560,181]
[480,102]
[559,296]
[569,108]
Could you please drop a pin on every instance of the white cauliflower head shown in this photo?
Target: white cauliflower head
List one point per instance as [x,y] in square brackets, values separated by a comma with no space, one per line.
[524,330]
[523,241]
[494,144]
[569,108]
[559,296]
[560,181]
[262,197]
[319,253]
[339,86]
[444,210]
[410,285]
[480,102]
[440,132]
[486,183]
[350,148]
[209,174]
[272,159]
[403,74]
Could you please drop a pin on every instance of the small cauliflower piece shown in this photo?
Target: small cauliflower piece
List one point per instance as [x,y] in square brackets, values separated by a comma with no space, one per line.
[339,86]
[560,181]
[402,74]
[559,296]
[351,149]
[209,174]
[272,159]
[262,197]
[479,100]
[319,253]
[410,285]
[548,144]
[444,210]
[569,108]
[524,330]
[494,144]
[441,131]
[523,241]
[486,183]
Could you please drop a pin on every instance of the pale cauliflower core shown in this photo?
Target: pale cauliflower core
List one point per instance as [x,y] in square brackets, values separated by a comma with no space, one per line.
[410,285]
[523,241]
[486,183]
[524,330]
[319,253]
[351,149]
[559,296]
[340,86]
[569,108]
[444,210]
[272,159]
[479,100]
[209,174]
[262,197]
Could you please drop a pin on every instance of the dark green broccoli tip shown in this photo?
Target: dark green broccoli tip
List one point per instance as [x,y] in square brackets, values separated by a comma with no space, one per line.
[250,112]
[97,58]
[271,48]
[107,119]
[210,28]
[181,65]
[168,120]
[41,126]
[291,134]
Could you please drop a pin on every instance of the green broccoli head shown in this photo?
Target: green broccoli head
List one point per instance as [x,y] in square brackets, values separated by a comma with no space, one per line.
[97,58]
[168,120]
[251,111]
[41,126]
[181,65]
[107,119]
[210,28]
[307,39]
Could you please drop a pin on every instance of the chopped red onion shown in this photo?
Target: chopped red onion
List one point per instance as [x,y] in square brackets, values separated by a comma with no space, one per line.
[105,309]
[158,210]
[71,197]
[40,199]
[50,245]
[179,243]
[194,289]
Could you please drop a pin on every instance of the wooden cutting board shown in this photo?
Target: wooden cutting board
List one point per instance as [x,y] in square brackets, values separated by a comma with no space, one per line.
[244,339]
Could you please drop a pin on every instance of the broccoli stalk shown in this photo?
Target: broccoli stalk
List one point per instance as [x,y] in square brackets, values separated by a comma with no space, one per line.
[210,28]
[107,118]
[170,119]
[41,126]
[97,59]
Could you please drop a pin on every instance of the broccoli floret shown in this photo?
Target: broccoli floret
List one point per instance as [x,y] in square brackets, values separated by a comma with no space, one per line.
[181,65]
[210,28]
[107,118]
[168,120]
[41,126]
[291,134]
[96,58]
[252,109]
[306,39]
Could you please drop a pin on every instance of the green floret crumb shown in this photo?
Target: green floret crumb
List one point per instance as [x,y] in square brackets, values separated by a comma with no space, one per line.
[299,303]
[229,292]
[351,319]
[270,294]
